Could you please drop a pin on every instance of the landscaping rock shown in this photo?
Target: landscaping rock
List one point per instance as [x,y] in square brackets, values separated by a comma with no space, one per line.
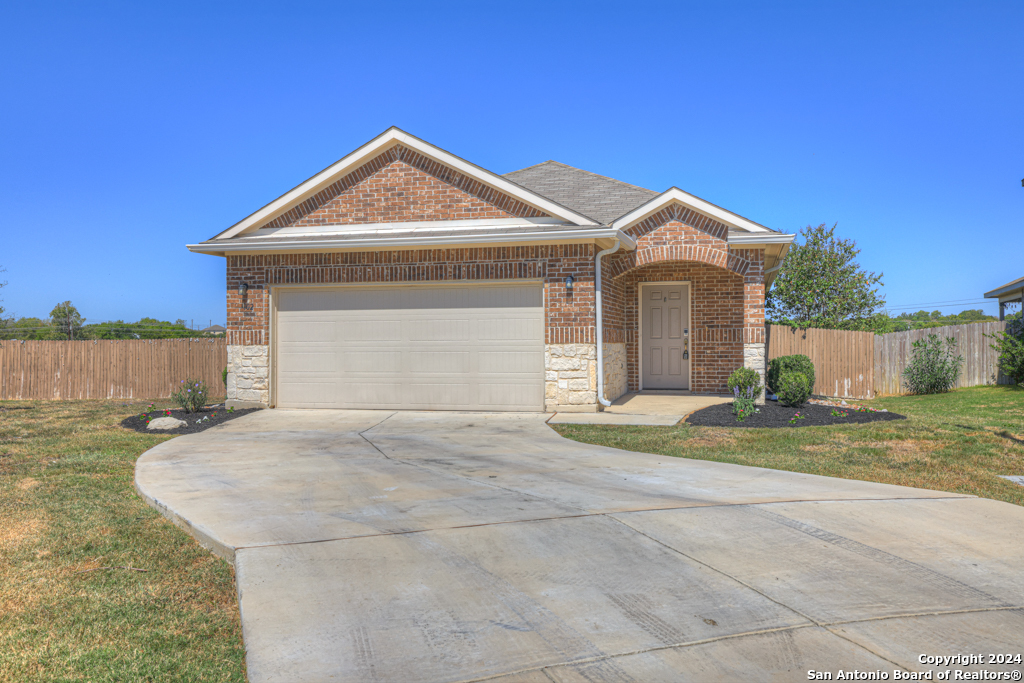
[166,423]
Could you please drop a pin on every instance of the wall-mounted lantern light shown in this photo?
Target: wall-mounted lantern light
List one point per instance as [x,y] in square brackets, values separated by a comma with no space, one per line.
[569,280]
[242,289]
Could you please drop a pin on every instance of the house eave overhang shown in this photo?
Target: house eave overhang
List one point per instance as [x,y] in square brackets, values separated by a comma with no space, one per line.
[602,236]
[676,196]
[380,144]
[1008,292]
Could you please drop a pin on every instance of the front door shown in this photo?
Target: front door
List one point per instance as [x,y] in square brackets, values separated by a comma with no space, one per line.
[664,336]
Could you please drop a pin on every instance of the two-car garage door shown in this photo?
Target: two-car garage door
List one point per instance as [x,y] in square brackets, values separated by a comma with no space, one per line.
[416,347]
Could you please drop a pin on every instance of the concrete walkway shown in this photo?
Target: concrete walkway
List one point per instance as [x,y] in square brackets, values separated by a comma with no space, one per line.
[372,546]
[644,408]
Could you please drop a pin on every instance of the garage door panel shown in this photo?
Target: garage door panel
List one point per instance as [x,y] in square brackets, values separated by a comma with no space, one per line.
[512,328]
[371,330]
[309,361]
[514,362]
[438,330]
[417,347]
[300,331]
[372,361]
[442,362]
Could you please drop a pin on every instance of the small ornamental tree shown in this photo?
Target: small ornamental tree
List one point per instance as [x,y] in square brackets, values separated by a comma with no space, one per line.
[66,321]
[1010,345]
[821,285]
[934,367]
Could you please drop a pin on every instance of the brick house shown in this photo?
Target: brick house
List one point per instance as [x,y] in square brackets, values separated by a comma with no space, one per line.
[405,277]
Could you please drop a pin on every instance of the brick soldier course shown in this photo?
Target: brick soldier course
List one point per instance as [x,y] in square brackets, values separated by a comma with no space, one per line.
[402,185]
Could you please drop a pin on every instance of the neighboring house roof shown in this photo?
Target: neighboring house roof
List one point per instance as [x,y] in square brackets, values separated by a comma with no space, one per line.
[574,206]
[1009,292]
[596,196]
[215,329]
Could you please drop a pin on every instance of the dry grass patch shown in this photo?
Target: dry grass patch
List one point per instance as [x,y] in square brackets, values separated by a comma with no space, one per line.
[67,504]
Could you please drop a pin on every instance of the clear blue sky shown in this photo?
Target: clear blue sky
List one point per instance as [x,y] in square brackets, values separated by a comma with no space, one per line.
[129,130]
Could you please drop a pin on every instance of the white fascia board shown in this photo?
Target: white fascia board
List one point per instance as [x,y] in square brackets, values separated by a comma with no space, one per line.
[381,143]
[760,239]
[404,226]
[674,194]
[1014,288]
[425,241]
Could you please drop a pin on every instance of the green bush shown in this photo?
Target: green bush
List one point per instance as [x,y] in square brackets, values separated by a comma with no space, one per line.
[191,395]
[224,377]
[1010,345]
[933,367]
[793,388]
[747,381]
[783,364]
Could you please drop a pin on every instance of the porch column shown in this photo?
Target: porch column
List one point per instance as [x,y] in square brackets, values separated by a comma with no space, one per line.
[754,356]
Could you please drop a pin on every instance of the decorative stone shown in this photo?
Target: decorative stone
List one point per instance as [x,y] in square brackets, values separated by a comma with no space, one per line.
[166,423]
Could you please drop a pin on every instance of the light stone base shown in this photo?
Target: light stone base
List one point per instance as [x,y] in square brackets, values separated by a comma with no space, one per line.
[570,377]
[248,376]
[616,380]
[754,358]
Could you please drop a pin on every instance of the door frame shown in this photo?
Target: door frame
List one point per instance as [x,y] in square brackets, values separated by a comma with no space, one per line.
[273,323]
[640,329]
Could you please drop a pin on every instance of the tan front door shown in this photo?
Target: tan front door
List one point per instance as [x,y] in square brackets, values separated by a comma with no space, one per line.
[664,336]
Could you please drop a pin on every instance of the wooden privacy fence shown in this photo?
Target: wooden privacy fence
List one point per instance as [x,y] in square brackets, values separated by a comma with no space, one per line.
[893,352]
[134,368]
[865,365]
[843,361]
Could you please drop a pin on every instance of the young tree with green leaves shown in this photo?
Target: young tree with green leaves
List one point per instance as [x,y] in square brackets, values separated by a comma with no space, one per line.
[821,285]
[66,321]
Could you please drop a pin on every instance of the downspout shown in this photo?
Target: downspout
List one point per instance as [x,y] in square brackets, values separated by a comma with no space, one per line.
[600,327]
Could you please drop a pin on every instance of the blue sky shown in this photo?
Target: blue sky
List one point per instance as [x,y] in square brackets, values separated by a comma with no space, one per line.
[129,130]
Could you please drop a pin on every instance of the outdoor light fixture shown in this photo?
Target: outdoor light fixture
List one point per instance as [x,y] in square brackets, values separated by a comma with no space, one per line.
[242,289]
[569,279]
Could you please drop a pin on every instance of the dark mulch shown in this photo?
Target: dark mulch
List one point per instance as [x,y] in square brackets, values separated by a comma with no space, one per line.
[775,414]
[217,415]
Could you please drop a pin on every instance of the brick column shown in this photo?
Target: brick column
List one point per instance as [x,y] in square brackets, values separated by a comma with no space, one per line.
[754,352]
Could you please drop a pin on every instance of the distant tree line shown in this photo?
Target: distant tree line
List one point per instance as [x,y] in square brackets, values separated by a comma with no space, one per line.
[821,285]
[65,322]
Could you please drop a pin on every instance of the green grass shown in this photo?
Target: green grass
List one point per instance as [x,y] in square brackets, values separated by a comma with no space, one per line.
[961,441]
[67,504]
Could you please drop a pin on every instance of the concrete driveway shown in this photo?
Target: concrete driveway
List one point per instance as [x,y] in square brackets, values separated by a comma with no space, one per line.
[375,546]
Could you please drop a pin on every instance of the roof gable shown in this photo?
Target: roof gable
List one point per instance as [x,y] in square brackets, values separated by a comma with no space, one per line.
[596,196]
[317,191]
[401,185]
[676,197]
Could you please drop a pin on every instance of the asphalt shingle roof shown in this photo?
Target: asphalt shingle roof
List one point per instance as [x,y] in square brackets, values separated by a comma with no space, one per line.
[595,196]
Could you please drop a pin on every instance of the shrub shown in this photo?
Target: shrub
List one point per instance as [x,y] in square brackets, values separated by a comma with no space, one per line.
[191,395]
[747,381]
[224,377]
[743,403]
[1010,345]
[933,367]
[793,388]
[783,364]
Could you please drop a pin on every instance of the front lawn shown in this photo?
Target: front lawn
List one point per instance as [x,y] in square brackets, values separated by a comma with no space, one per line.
[72,535]
[961,441]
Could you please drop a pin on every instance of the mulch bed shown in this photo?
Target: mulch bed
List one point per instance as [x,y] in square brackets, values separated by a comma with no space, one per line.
[777,415]
[210,416]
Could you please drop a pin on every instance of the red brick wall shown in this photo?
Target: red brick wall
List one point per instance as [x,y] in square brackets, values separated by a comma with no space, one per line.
[403,185]
[726,293]
[570,317]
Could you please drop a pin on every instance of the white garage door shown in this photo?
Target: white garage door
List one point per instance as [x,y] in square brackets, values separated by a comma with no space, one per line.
[414,347]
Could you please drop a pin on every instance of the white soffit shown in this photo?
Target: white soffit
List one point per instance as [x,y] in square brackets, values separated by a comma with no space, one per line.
[383,142]
[675,195]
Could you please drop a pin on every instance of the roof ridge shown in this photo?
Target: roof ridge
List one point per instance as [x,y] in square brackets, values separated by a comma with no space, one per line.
[583,170]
